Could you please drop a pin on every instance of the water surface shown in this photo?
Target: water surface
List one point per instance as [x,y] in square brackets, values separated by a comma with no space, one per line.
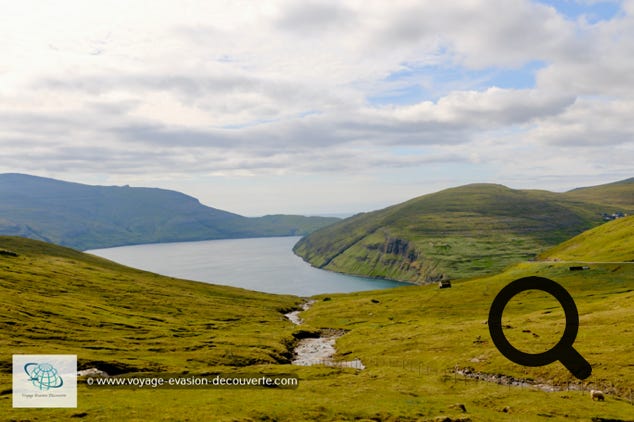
[263,264]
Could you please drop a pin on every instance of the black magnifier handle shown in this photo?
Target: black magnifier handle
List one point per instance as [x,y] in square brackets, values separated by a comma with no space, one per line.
[575,363]
[563,351]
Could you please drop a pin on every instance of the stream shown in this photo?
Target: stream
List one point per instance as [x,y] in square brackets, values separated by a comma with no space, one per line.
[319,350]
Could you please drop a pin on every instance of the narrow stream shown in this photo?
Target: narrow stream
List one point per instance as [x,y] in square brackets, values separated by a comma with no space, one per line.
[511,381]
[319,350]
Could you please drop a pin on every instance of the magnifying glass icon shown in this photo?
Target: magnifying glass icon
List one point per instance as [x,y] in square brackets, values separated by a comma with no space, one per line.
[563,350]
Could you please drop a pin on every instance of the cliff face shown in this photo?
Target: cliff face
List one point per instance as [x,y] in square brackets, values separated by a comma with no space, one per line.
[382,255]
[400,256]
[399,247]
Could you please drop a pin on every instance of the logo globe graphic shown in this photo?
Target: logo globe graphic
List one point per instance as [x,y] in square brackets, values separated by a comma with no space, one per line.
[43,375]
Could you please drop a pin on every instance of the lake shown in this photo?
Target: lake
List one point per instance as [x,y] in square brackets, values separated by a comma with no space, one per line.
[263,264]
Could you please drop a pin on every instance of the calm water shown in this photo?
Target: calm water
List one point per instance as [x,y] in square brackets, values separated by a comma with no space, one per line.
[264,264]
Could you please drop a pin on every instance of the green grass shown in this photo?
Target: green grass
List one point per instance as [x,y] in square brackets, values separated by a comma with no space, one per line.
[613,241]
[425,327]
[429,324]
[618,194]
[331,395]
[463,232]
[56,300]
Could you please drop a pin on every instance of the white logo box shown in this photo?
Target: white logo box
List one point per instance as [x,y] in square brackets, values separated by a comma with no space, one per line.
[44,380]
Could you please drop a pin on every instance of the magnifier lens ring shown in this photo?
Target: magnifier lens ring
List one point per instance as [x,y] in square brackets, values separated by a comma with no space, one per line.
[510,291]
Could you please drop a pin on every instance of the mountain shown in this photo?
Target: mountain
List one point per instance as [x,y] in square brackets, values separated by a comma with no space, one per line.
[88,217]
[613,241]
[617,194]
[460,232]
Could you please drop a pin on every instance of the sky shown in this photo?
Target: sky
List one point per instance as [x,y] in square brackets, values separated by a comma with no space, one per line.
[318,107]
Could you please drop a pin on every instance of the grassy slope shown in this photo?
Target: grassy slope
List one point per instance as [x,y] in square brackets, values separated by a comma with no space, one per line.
[461,232]
[618,194]
[55,299]
[409,338]
[613,241]
[420,332]
[430,330]
[89,217]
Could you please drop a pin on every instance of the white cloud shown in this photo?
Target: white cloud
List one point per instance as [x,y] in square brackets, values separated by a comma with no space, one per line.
[115,90]
[488,109]
[589,122]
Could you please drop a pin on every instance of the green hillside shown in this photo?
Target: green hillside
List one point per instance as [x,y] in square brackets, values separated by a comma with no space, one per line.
[415,336]
[617,194]
[57,300]
[613,241]
[90,217]
[460,232]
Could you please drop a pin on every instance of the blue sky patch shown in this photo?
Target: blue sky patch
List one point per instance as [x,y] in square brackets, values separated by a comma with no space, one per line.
[521,78]
[593,12]
[429,83]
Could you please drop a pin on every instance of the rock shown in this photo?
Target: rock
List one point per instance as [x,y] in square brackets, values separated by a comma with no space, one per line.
[460,406]
[92,372]
[302,334]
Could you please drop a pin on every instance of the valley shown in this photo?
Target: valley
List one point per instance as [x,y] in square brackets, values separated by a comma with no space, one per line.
[410,340]
[411,353]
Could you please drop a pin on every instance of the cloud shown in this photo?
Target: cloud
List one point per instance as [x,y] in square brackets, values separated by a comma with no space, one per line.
[287,88]
[476,34]
[488,109]
[589,122]
[315,17]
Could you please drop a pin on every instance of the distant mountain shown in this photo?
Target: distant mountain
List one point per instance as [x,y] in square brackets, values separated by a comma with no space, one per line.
[88,217]
[460,232]
[610,242]
[616,194]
